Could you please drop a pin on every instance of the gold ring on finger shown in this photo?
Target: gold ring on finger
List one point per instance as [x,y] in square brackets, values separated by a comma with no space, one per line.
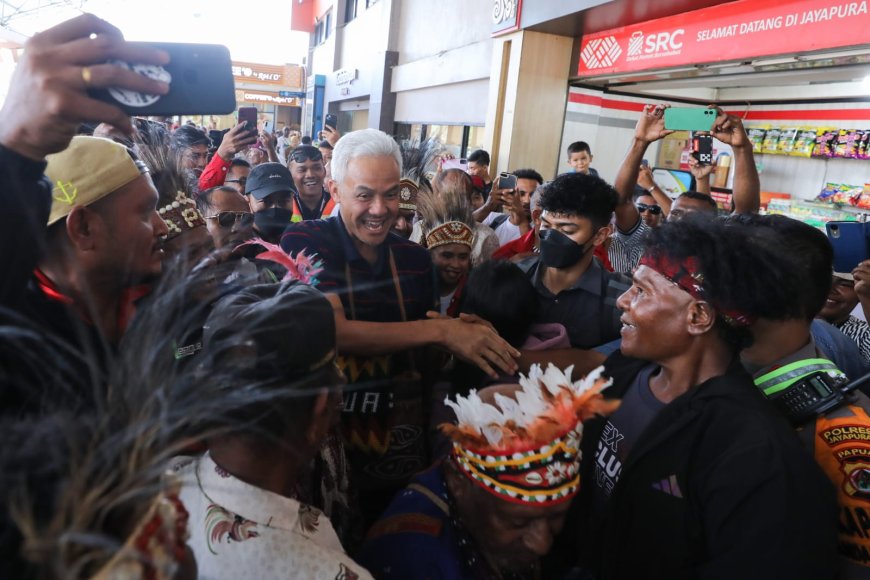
[86,76]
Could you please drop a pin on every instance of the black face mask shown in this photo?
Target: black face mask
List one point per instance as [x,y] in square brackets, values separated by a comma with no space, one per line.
[272,222]
[560,251]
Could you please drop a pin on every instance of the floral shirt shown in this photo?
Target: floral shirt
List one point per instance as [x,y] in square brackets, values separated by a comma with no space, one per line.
[241,531]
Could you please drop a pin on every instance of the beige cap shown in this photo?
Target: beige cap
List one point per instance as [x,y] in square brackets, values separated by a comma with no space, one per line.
[88,170]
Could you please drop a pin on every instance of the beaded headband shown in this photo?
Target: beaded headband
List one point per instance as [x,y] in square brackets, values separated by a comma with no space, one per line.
[687,275]
[450,233]
[157,546]
[408,191]
[526,450]
[181,215]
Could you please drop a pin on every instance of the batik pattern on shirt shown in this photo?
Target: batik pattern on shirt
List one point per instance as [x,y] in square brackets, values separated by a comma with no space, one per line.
[241,531]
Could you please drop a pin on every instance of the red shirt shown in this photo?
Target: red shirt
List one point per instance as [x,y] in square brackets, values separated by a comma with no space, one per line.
[214,173]
[526,244]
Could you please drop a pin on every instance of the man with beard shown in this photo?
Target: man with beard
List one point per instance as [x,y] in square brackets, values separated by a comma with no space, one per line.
[481,514]
[696,475]
[381,287]
[311,202]
[270,191]
[190,145]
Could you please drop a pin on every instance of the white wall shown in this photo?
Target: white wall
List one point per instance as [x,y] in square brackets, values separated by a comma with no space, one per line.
[605,125]
[454,104]
[445,52]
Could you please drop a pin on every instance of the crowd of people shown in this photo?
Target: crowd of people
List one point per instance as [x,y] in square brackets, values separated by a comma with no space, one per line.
[282,357]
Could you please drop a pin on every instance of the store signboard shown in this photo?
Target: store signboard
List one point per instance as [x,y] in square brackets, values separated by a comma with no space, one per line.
[506,16]
[265,97]
[284,75]
[741,30]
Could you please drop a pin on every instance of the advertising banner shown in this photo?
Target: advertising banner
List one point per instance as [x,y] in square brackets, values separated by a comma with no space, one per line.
[735,31]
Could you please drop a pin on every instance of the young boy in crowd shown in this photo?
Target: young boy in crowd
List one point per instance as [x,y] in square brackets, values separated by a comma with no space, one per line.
[580,157]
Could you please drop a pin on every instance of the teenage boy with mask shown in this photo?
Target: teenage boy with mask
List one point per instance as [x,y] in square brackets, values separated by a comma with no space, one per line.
[573,288]
[270,191]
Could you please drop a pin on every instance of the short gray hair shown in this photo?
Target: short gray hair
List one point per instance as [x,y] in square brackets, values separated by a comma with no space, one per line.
[364,143]
[535,202]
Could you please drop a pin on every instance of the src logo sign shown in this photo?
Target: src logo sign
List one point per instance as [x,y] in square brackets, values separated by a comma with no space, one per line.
[601,52]
[649,46]
[635,44]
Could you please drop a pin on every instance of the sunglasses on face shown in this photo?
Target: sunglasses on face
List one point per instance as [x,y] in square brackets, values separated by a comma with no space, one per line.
[242,180]
[653,209]
[228,219]
[303,156]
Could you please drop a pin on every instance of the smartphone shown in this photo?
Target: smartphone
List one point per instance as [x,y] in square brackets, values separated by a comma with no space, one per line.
[249,116]
[267,127]
[200,78]
[689,119]
[849,240]
[507,181]
[702,149]
[645,162]
[331,121]
[455,164]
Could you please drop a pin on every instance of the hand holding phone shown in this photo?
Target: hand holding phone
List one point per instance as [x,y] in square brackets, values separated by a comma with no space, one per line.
[689,119]
[52,69]
[236,140]
[248,116]
[506,181]
[331,121]
[455,164]
[200,78]
[850,243]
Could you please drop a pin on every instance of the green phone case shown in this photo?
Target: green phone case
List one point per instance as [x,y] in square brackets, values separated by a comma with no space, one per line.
[689,119]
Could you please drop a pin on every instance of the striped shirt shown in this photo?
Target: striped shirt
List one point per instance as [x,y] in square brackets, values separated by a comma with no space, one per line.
[626,248]
[370,294]
[859,331]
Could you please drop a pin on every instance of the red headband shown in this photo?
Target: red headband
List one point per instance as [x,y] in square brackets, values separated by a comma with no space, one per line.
[688,277]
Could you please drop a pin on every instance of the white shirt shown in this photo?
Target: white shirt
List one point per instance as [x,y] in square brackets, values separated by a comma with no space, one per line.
[241,531]
[506,231]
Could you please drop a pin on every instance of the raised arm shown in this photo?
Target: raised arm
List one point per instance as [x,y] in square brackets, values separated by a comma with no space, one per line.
[747,188]
[701,173]
[47,102]
[650,127]
[646,181]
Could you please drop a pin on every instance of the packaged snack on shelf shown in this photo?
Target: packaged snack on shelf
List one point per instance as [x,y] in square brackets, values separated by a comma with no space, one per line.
[786,142]
[806,141]
[825,138]
[771,141]
[828,192]
[756,136]
[845,147]
[862,151]
[863,200]
[852,193]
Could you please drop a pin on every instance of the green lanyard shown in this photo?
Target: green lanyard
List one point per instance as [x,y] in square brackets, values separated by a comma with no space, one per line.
[784,377]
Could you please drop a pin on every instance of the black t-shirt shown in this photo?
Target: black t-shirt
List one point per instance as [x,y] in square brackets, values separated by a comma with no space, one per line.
[621,431]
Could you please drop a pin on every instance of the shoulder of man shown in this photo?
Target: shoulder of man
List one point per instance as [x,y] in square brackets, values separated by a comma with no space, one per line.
[309,234]
[529,265]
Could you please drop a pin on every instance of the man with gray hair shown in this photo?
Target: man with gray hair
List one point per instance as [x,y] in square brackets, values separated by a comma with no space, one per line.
[382,287]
